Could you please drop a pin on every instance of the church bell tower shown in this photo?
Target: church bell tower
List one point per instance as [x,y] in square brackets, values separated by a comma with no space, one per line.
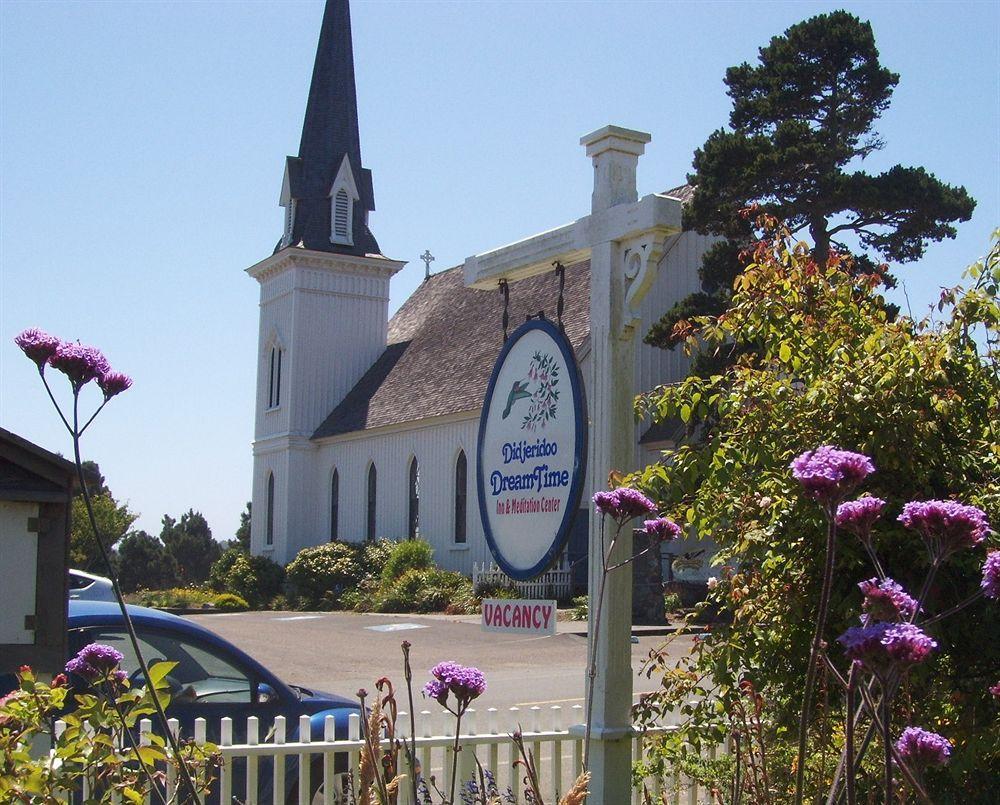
[324,298]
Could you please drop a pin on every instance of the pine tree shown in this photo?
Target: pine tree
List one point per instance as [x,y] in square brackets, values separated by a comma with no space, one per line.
[802,120]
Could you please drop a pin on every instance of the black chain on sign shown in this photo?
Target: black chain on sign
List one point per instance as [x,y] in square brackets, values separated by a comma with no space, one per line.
[561,273]
[505,290]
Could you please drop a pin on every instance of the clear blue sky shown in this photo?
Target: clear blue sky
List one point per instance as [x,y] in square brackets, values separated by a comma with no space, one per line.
[143,146]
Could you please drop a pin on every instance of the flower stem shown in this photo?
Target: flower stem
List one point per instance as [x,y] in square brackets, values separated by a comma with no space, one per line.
[186,779]
[887,741]
[454,754]
[594,628]
[412,748]
[824,602]
[852,684]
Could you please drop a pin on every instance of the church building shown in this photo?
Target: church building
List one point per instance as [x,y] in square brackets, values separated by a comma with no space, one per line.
[366,425]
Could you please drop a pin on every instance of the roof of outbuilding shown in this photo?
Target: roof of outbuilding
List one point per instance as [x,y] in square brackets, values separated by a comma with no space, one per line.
[443,342]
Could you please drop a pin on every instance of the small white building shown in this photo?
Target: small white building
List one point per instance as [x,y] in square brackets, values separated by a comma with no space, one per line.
[366,426]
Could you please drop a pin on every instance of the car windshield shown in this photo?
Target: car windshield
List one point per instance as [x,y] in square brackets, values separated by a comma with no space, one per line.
[202,674]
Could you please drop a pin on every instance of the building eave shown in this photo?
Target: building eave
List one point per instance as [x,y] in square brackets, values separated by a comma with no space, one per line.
[297,257]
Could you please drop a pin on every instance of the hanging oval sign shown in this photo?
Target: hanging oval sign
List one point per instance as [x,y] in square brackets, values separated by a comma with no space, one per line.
[531,460]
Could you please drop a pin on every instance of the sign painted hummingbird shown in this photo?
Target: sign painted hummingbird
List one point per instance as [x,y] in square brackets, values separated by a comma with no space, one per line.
[517,391]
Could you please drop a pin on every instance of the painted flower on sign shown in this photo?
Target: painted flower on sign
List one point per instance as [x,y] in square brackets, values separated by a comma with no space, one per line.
[544,371]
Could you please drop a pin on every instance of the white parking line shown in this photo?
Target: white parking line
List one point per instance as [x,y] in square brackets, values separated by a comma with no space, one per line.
[297,618]
[395,627]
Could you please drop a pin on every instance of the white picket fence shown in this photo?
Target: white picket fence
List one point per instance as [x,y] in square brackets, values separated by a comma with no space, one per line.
[557,752]
[555,583]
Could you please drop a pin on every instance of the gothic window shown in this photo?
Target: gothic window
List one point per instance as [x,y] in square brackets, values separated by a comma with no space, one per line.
[334,505]
[341,217]
[461,485]
[269,534]
[413,523]
[372,488]
[274,378]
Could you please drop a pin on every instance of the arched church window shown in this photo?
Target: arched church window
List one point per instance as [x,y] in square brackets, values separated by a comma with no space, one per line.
[341,216]
[274,378]
[334,505]
[461,486]
[413,522]
[269,534]
[372,488]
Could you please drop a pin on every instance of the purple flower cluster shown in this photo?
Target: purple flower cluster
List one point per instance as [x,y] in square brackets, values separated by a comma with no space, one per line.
[919,748]
[623,504]
[995,689]
[946,525]
[662,529]
[880,646]
[465,683]
[96,662]
[79,362]
[38,345]
[828,474]
[886,600]
[858,516]
[991,575]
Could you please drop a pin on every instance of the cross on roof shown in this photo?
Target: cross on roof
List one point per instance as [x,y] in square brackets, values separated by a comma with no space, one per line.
[428,258]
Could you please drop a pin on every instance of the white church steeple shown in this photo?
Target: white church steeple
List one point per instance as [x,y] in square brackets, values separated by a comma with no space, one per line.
[324,296]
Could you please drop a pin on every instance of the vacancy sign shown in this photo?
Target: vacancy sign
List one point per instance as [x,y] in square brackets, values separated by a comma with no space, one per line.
[519,617]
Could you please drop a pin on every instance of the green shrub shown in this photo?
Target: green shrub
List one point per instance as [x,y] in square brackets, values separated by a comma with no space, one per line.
[278,603]
[374,555]
[671,602]
[219,573]
[254,578]
[318,576]
[413,554]
[173,598]
[227,602]
[497,590]
[427,590]
[581,605]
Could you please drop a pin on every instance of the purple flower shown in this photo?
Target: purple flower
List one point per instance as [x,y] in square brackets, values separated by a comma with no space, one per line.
[946,525]
[919,748]
[995,690]
[829,474]
[95,662]
[113,383]
[662,529]
[38,345]
[436,689]
[880,646]
[858,516]
[465,683]
[79,363]
[623,504]
[991,575]
[886,600]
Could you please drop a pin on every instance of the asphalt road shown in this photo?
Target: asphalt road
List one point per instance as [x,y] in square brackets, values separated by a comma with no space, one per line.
[341,652]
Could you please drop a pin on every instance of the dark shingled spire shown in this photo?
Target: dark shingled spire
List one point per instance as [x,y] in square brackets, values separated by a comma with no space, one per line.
[329,132]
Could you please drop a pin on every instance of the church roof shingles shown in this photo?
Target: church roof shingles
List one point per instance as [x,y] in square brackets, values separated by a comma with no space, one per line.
[443,342]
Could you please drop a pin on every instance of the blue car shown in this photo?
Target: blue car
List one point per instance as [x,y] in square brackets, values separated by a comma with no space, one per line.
[212,679]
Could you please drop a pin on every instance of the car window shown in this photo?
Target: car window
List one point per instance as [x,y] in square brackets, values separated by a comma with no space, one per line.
[203,674]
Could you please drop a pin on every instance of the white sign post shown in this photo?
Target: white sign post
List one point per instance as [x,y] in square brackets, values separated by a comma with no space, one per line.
[624,237]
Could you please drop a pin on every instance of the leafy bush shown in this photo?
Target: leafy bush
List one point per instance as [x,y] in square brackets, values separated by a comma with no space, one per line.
[496,590]
[374,556]
[429,590]
[184,598]
[227,602]
[581,605]
[413,554]
[254,578]
[671,602]
[318,576]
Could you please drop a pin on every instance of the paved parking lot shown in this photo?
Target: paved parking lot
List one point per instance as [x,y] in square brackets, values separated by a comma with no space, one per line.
[341,652]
